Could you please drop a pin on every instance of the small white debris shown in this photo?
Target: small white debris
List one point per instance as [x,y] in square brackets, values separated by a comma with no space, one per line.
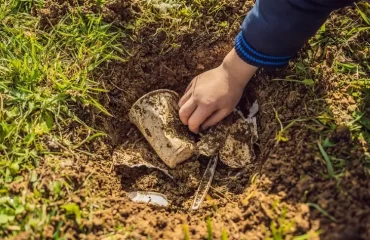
[149,197]
[135,158]
[253,110]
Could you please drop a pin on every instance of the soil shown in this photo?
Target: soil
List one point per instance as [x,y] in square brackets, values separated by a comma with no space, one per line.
[245,203]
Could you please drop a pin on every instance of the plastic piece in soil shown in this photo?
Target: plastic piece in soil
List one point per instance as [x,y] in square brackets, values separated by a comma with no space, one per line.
[152,198]
[253,110]
[133,158]
[205,183]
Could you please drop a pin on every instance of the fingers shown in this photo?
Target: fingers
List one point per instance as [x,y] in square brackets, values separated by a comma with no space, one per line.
[187,94]
[187,110]
[189,86]
[198,117]
[215,118]
[185,98]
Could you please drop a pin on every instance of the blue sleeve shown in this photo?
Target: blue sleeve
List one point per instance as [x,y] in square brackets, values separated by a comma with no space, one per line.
[274,30]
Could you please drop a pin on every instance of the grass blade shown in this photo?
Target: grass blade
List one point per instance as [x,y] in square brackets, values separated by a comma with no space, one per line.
[186,232]
[327,160]
[363,15]
[325,213]
[209,229]
[224,235]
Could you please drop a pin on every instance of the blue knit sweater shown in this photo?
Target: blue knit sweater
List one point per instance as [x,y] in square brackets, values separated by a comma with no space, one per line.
[274,30]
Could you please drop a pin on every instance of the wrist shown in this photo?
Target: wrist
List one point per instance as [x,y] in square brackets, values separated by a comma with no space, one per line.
[237,69]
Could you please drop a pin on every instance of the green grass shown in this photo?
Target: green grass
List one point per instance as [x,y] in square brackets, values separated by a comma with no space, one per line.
[337,60]
[318,208]
[209,228]
[185,228]
[174,19]
[224,235]
[44,77]
[280,227]
[327,160]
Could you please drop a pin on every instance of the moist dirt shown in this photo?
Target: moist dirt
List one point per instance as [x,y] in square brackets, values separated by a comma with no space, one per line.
[246,203]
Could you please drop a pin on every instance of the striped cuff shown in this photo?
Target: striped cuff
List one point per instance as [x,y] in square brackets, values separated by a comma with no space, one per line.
[251,56]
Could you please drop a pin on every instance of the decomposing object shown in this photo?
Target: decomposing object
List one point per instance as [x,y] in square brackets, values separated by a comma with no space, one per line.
[238,148]
[137,158]
[233,139]
[156,116]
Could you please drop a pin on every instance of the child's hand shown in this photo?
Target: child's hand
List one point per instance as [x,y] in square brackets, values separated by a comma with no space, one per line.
[210,97]
[213,95]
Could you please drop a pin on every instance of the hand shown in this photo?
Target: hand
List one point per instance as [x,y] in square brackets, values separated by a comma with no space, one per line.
[213,95]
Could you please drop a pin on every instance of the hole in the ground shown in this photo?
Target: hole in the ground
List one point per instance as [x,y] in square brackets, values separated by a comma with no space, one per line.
[227,183]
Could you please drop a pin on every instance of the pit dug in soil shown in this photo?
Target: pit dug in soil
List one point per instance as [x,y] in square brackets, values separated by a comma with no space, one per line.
[246,203]
[169,150]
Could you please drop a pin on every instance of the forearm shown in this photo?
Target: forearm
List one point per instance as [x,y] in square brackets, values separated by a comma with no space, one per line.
[237,69]
[274,30]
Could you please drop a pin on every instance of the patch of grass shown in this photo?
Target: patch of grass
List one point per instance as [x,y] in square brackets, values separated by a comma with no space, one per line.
[44,76]
[339,53]
[14,7]
[282,224]
[281,227]
[281,134]
[175,18]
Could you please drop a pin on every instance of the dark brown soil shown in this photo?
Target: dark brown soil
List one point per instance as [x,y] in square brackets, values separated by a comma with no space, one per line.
[246,204]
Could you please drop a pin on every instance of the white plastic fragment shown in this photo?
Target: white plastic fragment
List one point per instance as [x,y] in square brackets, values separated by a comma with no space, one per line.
[205,183]
[135,158]
[252,118]
[253,110]
[149,198]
